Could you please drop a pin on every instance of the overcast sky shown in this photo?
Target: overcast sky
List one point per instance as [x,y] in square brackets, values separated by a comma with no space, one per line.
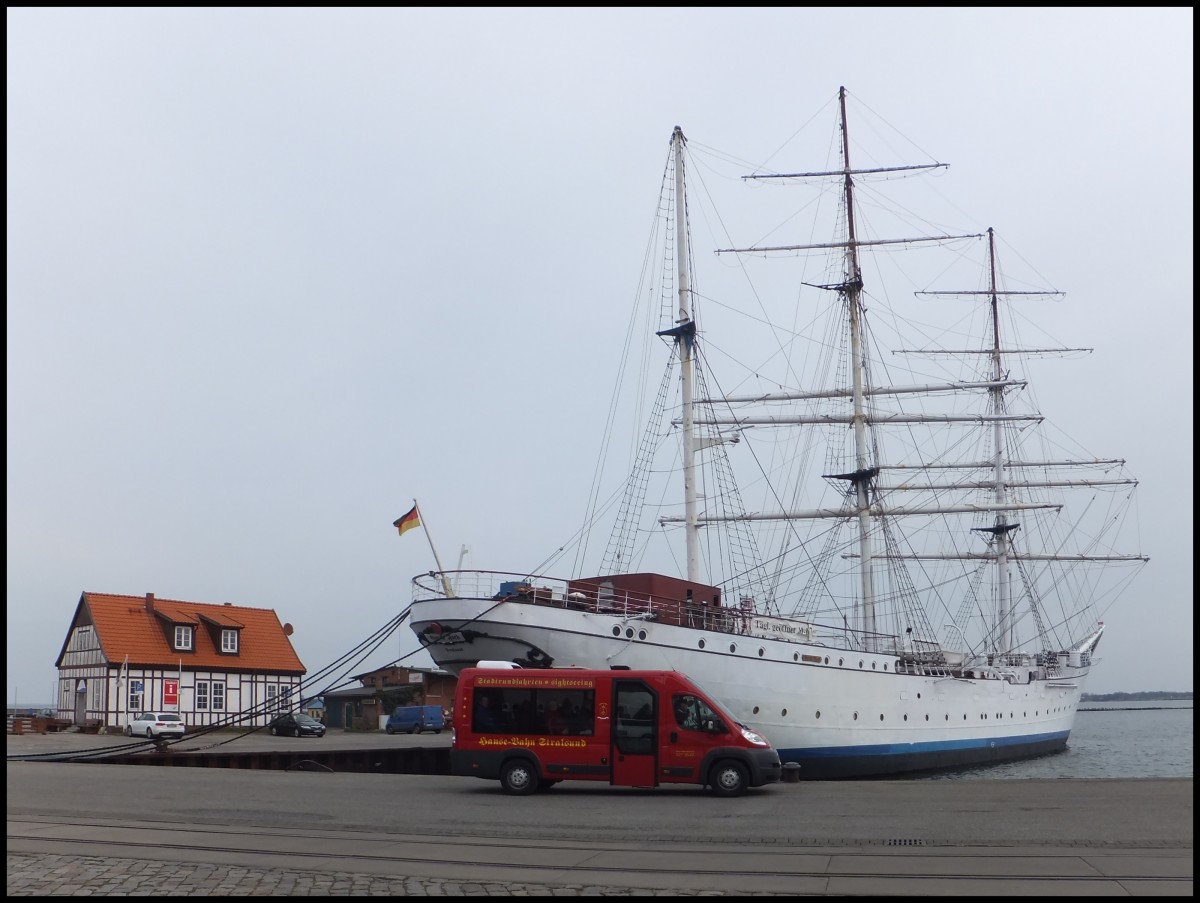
[273,274]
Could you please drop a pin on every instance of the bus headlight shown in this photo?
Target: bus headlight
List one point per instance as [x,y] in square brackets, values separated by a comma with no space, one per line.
[752,737]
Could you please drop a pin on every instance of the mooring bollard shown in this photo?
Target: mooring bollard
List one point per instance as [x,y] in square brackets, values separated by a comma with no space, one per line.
[791,772]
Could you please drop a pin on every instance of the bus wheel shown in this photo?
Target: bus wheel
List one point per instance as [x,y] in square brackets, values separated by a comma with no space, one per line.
[729,778]
[518,778]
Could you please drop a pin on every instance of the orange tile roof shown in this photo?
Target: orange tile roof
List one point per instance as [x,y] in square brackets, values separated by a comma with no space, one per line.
[124,626]
[220,619]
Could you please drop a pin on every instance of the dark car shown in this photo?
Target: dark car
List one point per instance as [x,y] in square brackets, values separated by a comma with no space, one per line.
[289,725]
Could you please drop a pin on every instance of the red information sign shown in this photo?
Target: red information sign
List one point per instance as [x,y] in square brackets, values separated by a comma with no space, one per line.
[170,692]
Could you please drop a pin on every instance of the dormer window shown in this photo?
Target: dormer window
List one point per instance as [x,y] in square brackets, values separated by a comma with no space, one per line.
[229,640]
[183,637]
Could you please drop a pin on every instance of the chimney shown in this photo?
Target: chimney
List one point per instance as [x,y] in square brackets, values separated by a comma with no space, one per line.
[150,602]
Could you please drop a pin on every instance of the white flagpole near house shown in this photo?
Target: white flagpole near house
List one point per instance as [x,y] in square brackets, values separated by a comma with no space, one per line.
[122,693]
[424,526]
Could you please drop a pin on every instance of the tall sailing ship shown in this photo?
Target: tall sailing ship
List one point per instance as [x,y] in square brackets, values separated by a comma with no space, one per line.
[919,581]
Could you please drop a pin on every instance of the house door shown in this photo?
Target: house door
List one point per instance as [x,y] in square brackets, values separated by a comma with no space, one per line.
[80,702]
[349,716]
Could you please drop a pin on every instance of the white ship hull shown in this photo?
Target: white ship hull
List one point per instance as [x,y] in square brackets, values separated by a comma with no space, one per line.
[838,713]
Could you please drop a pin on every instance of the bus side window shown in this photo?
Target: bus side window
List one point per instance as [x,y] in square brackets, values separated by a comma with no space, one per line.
[582,715]
[523,715]
[483,721]
[685,711]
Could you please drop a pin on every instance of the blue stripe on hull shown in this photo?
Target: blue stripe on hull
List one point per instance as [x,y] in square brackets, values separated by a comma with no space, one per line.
[833,763]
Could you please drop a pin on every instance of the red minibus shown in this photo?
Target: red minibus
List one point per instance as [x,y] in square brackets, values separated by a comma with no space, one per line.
[531,728]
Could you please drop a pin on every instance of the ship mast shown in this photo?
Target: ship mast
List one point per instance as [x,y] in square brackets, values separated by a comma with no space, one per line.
[851,291]
[1001,528]
[684,333]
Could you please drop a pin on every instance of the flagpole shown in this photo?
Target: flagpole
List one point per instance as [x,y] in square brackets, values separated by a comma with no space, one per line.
[122,693]
[424,526]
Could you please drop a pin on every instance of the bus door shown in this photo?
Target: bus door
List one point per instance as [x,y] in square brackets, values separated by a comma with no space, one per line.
[634,734]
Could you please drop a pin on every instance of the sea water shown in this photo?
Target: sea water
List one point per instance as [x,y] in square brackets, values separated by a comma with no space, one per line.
[1109,740]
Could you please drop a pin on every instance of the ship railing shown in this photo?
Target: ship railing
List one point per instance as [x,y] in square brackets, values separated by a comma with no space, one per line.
[1016,660]
[555,592]
[928,668]
[982,669]
[472,584]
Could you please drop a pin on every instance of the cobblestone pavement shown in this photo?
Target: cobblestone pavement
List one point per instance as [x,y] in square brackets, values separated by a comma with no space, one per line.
[97,876]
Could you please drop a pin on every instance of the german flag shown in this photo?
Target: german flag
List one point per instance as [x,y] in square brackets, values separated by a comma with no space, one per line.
[410,520]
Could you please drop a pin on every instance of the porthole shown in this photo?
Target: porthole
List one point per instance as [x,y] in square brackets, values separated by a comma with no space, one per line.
[856,716]
[795,656]
[905,717]
[827,659]
[926,717]
[840,662]
[872,666]
[860,663]
[885,664]
[755,710]
[701,644]
[818,714]
[964,716]
[616,631]
[783,714]
[641,634]
[733,647]
[918,696]
[629,632]
[947,717]
[761,651]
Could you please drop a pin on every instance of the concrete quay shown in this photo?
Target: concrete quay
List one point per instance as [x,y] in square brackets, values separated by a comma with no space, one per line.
[118,830]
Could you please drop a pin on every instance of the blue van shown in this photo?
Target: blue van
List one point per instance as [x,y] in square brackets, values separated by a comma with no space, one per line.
[412,719]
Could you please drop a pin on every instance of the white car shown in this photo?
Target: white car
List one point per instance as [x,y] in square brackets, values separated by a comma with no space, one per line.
[155,725]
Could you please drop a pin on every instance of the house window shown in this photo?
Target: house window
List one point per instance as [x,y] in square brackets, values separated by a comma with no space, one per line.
[135,695]
[218,696]
[201,695]
[183,637]
[272,697]
[229,641]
